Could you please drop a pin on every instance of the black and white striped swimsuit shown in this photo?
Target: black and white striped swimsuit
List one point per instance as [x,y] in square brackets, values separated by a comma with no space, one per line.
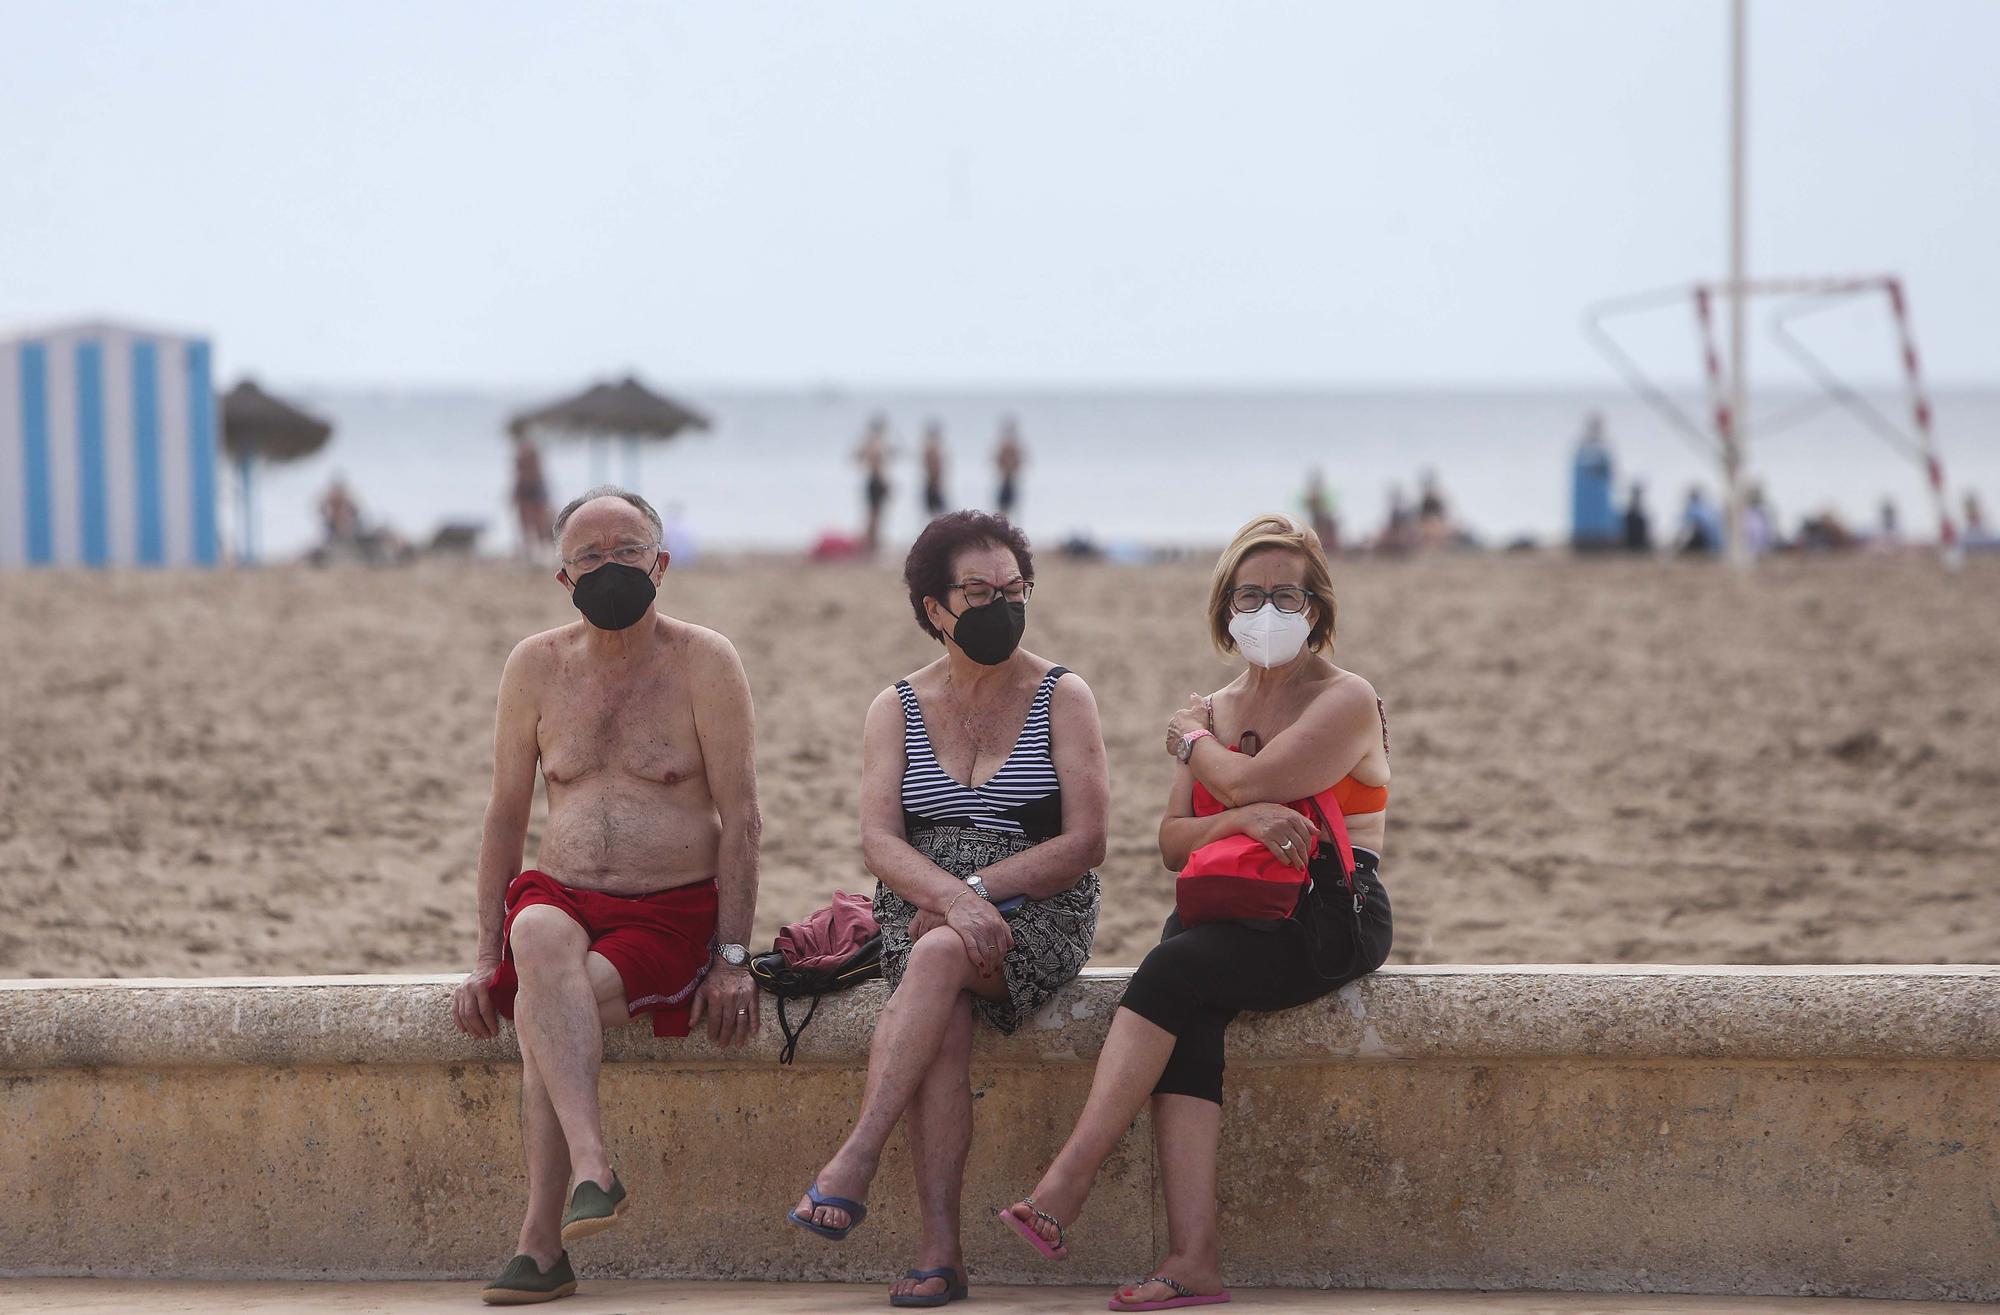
[1023,798]
[964,828]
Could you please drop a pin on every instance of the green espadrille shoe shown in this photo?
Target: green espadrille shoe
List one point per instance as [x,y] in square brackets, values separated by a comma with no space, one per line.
[523,1283]
[592,1209]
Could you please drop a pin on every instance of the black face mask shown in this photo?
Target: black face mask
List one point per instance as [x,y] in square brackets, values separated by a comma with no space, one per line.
[614,596]
[990,634]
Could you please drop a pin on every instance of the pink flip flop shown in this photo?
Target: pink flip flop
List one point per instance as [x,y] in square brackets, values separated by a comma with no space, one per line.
[1057,1252]
[1183,1296]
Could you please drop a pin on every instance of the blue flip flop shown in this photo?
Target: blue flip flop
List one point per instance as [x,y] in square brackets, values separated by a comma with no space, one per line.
[954,1290]
[856,1212]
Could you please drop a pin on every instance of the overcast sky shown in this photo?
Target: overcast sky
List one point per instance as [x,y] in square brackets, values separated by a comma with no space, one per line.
[940,194]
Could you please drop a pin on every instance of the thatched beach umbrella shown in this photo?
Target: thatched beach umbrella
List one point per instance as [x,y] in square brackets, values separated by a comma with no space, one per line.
[626,410]
[259,427]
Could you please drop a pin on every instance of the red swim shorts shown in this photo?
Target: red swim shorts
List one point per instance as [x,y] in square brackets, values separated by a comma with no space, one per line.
[659,943]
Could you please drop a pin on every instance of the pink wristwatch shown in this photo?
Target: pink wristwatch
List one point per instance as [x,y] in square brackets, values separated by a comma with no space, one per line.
[1188,742]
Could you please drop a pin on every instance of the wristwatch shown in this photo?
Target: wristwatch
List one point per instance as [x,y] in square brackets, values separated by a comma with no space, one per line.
[1188,742]
[978,887]
[733,955]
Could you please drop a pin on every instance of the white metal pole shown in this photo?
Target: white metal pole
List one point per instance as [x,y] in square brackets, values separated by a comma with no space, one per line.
[1737,439]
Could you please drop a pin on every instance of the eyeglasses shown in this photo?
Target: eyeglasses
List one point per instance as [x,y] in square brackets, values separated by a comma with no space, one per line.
[1286,597]
[978,593]
[631,554]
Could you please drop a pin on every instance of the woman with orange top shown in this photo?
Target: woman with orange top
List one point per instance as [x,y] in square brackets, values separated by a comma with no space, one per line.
[1292,727]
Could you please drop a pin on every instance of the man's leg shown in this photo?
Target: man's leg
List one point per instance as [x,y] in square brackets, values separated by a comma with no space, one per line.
[559,1021]
[541,1131]
[548,1168]
[939,1124]
[908,1036]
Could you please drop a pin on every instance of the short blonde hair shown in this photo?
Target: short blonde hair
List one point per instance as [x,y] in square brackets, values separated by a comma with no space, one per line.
[1273,531]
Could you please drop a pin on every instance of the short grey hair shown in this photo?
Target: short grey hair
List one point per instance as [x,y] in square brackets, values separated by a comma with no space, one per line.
[609,491]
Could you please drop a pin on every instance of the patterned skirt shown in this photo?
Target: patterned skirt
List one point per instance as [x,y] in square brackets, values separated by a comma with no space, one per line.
[1051,937]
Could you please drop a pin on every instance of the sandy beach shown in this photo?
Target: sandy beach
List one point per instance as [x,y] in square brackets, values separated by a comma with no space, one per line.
[283,771]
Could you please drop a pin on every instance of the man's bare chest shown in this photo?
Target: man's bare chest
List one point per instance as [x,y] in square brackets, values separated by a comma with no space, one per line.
[638,727]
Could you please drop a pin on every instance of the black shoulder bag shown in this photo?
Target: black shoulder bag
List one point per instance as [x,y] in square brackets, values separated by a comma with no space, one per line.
[788,983]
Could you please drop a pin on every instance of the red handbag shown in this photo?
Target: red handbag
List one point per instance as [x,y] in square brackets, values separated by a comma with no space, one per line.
[1237,877]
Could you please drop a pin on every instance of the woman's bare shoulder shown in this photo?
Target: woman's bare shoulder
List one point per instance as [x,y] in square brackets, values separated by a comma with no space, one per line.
[1346,693]
[923,680]
[1071,696]
[1353,681]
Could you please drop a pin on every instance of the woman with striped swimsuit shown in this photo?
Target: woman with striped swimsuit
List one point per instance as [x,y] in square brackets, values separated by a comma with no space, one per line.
[983,804]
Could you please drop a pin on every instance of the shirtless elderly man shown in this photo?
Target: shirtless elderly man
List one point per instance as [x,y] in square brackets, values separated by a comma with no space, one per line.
[648,869]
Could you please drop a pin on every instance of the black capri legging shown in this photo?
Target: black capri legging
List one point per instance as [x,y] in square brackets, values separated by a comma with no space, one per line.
[1199,978]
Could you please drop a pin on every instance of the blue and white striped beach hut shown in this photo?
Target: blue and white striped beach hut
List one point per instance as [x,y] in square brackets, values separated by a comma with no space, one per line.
[108,448]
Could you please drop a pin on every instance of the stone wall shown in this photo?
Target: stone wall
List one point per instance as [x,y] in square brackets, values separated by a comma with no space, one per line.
[1741,1130]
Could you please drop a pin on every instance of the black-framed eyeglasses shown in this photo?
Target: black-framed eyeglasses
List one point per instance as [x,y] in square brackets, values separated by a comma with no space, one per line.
[630,554]
[978,593]
[1286,598]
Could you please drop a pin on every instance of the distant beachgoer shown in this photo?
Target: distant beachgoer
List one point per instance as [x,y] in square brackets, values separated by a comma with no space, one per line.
[531,498]
[349,538]
[1320,506]
[1825,531]
[873,454]
[1431,525]
[1433,517]
[1638,525]
[934,499]
[1759,524]
[1594,521]
[645,886]
[1399,532]
[339,513]
[1889,529]
[1009,457]
[1431,500]
[1701,524]
[1976,532]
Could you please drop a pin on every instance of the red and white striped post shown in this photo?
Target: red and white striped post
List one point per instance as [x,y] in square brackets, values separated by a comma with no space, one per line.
[1722,396]
[1920,412]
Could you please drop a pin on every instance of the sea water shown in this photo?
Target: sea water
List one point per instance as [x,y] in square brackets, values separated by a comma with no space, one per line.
[777,469]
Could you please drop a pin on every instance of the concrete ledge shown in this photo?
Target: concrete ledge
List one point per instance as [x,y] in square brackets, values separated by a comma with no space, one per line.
[1459,1013]
[1814,1131]
[116,1297]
